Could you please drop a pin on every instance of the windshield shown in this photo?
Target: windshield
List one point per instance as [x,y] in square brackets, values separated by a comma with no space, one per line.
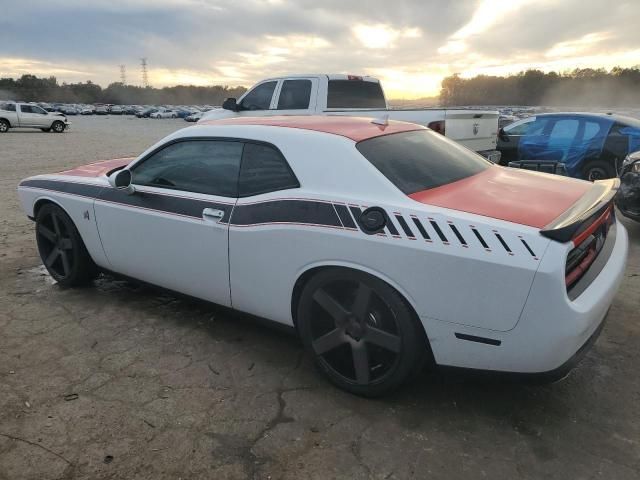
[421,159]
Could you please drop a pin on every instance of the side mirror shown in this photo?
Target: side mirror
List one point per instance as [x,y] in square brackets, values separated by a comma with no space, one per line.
[121,180]
[230,104]
[502,135]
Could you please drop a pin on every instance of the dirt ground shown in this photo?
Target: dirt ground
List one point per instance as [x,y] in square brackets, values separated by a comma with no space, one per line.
[123,381]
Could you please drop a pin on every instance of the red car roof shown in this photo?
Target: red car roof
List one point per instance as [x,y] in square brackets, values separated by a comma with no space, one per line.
[355,128]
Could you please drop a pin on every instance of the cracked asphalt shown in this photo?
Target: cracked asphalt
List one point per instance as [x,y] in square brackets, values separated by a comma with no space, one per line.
[125,381]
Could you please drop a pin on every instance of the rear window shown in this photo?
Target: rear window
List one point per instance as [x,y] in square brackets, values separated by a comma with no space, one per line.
[355,94]
[421,159]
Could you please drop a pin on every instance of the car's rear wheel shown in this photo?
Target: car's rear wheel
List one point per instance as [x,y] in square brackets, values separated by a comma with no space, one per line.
[361,332]
[61,248]
[598,170]
[4,126]
[58,126]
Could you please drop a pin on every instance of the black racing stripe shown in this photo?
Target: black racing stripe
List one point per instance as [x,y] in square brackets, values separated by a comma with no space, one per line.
[526,245]
[83,189]
[405,227]
[345,216]
[189,207]
[391,227]
[503,243]
[457,233]
[436,227]
[480,238]
[421,228]
[286,211]
[474,338]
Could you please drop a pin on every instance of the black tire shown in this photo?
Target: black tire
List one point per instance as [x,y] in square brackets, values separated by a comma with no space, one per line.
[58,126]
[61,248]
[46,129]
[4,126]
[360,331]
[598,170]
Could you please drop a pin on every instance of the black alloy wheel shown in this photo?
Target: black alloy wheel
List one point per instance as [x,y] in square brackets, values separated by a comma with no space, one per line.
[361,331]
[61,248]
[598,170]
[58,126]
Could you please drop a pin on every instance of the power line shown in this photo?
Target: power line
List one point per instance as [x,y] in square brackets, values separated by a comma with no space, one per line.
[123,74]
[145,75]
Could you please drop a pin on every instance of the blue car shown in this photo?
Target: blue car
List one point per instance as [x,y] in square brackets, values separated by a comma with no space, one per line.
[590,146]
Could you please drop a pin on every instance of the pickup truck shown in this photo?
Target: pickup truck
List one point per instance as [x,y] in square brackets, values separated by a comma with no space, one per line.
[360,96]
[25,115]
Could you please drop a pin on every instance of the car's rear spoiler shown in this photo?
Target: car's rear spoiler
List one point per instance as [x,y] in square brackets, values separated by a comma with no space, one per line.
[584,213]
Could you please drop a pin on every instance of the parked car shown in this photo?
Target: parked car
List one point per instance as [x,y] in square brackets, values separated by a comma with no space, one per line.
[88,111]
[628,197]
[164,114]
[590,146]
[116,110]
[146,112]
[194,117]
[102,110]
[24,115]
[69,110]
[351,95]
[384,245]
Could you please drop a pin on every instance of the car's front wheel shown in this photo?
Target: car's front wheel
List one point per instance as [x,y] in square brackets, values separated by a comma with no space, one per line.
[361,332]
[58,126]
[61,248]
[598,170]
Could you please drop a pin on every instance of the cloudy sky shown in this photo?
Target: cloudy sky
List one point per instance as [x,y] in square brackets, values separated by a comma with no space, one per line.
[410,44]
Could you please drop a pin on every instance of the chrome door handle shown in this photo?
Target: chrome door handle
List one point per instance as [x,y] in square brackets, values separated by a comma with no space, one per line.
[213,213]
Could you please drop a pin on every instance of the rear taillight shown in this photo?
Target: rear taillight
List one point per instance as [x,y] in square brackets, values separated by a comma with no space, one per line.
[437,126]
[588,245]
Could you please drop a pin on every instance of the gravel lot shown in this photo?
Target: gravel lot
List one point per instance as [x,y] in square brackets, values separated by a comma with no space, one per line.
[123,381]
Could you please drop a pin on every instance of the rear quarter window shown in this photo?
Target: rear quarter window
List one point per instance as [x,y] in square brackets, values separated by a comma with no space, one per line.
[355,94]
[421,159]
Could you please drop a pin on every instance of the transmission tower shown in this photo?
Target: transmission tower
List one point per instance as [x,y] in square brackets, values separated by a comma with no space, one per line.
[123,74]
[145,75]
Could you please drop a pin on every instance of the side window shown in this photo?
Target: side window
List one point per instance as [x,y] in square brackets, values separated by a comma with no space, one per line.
[264,170]
[520,127]
[294,95]
[38,110]
[565,129]
[260,97]
[26,109]
[592,130]
[9,107]
[199,166]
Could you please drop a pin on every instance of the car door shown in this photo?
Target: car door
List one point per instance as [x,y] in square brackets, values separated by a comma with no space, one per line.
[27,117]
[173,231]
[259,101]
[509,139]
[40,117]
[295,96]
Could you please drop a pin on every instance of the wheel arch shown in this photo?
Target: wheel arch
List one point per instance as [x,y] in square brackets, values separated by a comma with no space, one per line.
[309,271]
[6,120]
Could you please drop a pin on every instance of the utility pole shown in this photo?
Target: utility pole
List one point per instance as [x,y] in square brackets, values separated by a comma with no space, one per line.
[123,74]
[145,76]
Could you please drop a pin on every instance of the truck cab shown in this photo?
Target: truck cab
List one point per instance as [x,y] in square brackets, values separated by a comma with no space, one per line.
[27,115]
[362,96]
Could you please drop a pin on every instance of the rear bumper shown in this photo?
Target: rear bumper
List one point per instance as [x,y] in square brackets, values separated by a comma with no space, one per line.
[553,331]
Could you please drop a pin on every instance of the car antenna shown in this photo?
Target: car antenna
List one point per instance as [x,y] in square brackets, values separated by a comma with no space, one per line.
[383,120]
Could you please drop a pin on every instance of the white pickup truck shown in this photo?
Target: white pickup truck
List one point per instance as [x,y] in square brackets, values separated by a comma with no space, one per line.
[26,115]
[358,96]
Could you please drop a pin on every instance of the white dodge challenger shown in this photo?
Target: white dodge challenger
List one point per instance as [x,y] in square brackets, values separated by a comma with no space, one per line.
[383,243]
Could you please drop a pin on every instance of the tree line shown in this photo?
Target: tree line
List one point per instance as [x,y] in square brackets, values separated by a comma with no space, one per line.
[581,87]
[30,88]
